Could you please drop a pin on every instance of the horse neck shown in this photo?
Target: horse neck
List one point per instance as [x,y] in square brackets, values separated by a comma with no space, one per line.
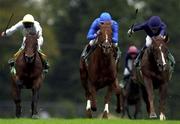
[101,59]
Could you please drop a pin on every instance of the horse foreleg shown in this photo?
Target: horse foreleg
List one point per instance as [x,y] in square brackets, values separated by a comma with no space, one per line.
[149,88]
[163,94]
[137,108]
[106,102]
[93,98]
[17,99]
[35,97]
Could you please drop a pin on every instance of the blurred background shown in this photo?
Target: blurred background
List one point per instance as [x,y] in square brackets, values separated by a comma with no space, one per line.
[65,24]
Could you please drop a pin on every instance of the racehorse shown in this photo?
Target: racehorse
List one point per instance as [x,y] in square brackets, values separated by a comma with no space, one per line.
[101,72]
[132,95]
[155,72]
[28,74]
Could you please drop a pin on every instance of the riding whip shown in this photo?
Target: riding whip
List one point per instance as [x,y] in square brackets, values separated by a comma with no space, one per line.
[8,23]
[134,22]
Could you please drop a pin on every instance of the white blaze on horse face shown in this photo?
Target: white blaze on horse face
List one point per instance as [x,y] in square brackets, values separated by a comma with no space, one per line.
[162,55]
[88,104]
[106,37]
[106,109]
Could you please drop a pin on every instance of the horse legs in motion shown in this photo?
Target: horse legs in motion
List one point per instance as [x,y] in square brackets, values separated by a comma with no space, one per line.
[16,93]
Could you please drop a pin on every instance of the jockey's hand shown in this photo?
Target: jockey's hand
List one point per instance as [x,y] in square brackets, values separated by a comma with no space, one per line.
[161,36]
[130,32]
[3,34]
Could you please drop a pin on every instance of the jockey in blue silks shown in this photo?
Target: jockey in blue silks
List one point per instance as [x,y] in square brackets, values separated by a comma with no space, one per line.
[93,33]
[153,27]
[131,55]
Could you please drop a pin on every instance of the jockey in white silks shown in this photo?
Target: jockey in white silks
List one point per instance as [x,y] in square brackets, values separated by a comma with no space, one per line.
[28,26]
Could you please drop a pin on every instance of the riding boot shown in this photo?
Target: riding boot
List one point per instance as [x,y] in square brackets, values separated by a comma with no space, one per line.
[87,51]
[117,54]
[125,79]
[11,61]
[44,61]
[171,58]
[139,57]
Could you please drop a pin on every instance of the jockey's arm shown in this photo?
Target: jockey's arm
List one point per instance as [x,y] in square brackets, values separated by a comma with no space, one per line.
[92,31]
[40,38]
[14,28]
[163,29]
[115,29]
[138,27]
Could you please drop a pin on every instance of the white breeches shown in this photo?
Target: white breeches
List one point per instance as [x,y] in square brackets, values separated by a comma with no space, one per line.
[148,41]
[126,72]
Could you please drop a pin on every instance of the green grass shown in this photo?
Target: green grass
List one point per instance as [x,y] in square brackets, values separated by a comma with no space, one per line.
[84,121]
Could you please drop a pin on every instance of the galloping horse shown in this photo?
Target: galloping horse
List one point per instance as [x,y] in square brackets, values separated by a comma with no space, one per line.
[131,95]
[101,72]
[28,74]
[155,71]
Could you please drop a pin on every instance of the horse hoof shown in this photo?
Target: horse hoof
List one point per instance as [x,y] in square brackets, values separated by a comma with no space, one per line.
[94,109]
[153,115]
[162,117]
[88,113]
[35,117]
[105,115]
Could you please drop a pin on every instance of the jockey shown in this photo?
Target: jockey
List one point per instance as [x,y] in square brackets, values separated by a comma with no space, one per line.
[130,57]
[93,33]
[153,27]
[27,25]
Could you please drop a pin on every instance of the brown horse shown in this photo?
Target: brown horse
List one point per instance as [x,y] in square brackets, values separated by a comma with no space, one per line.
[155,71]
[101,72]
[131,95]
[28,74]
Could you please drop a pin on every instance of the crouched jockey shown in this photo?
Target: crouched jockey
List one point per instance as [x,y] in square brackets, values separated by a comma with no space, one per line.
[131,55]
[28,26]
[93,33]
[153,27]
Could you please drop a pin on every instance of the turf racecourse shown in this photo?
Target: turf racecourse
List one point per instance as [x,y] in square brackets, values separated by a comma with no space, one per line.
[84,121]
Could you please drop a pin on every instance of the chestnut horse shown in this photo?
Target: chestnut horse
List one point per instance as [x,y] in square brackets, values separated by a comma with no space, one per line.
[156,73]
[101,72]
[28,74]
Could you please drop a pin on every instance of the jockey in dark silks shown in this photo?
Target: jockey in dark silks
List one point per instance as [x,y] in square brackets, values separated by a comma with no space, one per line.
[153,27]
[93,33]
[131,55]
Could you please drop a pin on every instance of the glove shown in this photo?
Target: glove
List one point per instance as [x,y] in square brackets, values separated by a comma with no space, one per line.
[3,34]
[161,36]
[130,32]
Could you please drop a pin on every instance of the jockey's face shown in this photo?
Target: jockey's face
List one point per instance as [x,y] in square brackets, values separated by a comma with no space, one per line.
[28,24]
[155,30]
[133,55]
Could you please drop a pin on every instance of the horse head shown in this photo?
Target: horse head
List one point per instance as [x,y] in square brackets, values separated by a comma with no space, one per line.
[105,37]
[160,52]
[31,46]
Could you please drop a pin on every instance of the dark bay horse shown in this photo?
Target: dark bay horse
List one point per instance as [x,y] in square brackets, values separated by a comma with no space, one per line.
[101,72]
[28,74]
[155,71]
[132,95]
